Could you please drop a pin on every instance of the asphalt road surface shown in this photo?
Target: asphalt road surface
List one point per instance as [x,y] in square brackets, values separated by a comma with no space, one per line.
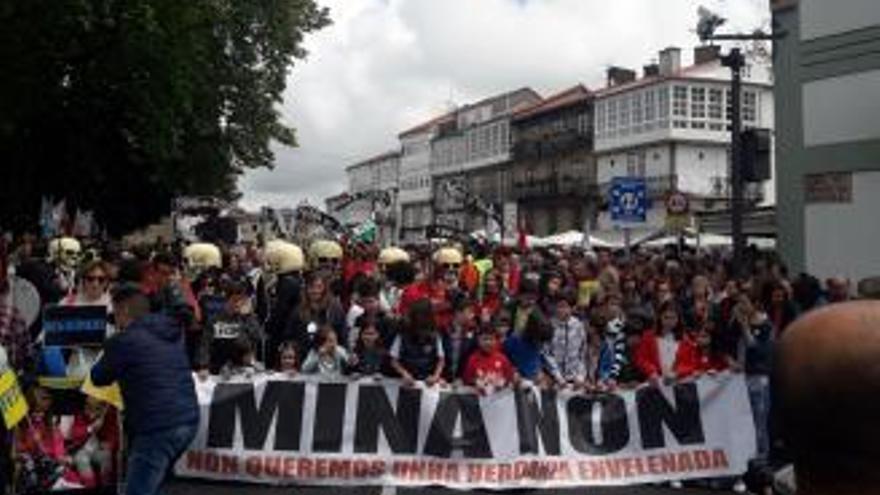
[180,487]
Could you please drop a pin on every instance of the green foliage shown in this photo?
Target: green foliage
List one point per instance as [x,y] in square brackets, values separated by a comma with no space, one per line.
[120,105]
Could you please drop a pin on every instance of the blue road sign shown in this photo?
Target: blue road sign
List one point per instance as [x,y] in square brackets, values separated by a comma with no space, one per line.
[629,199]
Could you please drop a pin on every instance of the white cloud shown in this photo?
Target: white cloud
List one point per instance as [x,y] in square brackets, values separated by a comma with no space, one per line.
[385,65]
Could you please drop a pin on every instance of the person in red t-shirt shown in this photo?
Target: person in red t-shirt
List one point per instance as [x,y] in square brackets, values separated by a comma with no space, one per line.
[488,369]
[439,287]
[696,357]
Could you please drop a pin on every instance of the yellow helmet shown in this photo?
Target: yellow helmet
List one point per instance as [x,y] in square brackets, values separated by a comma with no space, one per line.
[324,249]
[391,255]
[283,257]
[448,256]
[202,255]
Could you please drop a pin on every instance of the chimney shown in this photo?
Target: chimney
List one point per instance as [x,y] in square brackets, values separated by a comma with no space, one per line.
[706,53]
[651,70]
[619,75]
[670,61]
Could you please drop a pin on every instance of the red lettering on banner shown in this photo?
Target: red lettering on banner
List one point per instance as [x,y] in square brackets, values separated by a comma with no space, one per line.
[289,467]
[212,462]
[565,471]
[702,460]
[194,460]
[599,471]
[667,463]
[254,466]
[362,469]
[304,468]
[377,469]
[613,467]
[685,463]
[340,468]
[273,466]
[474,473]
[451,473]
[229,464]
[505,473]
[321,470]
[627,467]
[654,466]
[719,460]
[435,471]
[640,466]
[490,473]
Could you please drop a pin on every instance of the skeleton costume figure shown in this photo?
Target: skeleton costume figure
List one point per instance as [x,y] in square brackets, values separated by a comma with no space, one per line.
[278,291]
[389,296]
[65,254]
[326,256]
[440,287]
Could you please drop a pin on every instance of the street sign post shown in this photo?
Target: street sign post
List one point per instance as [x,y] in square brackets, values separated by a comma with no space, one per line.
[629,204]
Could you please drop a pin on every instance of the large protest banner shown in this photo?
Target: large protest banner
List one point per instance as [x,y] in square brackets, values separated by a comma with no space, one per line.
[277,431]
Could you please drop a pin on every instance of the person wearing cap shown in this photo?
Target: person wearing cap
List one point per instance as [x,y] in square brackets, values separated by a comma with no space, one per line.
[148,359]
[439,287]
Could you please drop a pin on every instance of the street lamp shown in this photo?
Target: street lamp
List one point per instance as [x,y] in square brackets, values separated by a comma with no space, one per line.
[708,23]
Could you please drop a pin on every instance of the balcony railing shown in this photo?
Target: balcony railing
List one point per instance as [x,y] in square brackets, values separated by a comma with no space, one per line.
[551,146]
[554,187]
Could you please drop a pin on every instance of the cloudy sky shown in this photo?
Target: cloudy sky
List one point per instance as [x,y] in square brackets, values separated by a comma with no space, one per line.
[386,65]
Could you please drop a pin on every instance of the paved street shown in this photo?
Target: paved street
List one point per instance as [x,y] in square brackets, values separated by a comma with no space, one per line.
[193,488]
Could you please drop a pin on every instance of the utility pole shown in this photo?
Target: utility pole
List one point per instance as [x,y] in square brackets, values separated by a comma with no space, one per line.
[735,62]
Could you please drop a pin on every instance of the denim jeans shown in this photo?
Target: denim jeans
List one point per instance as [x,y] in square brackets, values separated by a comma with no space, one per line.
[152,455]
[759,397]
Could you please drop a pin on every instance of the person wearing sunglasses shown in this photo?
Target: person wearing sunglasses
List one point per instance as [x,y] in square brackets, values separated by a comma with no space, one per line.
[92,289]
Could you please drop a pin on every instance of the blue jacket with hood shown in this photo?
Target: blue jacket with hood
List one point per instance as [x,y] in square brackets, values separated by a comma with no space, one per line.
[149,360]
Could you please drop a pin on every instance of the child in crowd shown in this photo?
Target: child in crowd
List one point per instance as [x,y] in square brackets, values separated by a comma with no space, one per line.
[696,356]
[236,321]
[655,356]
[242,361]
[287,359]
[328,358]
[94,439]
[371,357]
[568,347]
[524,351]
[459,342]
[526,304]
[488,369]
[40,447]
[502,322]
[417,352]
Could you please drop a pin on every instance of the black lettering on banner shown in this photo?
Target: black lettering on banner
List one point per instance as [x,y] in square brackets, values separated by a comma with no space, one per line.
[532,419]
[613,424]
[329,417]
[232,398]
[401,428]
[682,418]
[474,441]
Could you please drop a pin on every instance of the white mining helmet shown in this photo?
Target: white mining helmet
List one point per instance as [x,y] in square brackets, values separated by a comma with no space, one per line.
[391,255]
[325,250]
[65,251]
[200,256]
[448,256]
[283,257]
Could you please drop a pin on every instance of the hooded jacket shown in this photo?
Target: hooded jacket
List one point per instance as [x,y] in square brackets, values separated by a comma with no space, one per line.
[149,361]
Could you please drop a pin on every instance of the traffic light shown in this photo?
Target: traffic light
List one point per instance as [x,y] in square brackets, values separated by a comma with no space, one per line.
[756,154]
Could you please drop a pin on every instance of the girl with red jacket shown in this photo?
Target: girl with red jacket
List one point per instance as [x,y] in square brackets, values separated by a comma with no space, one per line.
[696,357]
[655,356]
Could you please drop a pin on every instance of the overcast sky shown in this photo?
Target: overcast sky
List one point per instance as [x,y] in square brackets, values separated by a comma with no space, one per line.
[386,65]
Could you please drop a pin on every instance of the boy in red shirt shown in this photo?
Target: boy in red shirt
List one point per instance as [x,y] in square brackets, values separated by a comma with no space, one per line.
[488,369]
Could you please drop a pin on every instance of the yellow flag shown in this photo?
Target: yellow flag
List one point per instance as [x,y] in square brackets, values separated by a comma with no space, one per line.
[109,394]
[12,401]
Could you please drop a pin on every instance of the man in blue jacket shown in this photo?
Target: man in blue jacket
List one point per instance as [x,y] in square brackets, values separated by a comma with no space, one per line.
[148,359]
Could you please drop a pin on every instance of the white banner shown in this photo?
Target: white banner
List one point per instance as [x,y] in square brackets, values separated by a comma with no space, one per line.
[303,431]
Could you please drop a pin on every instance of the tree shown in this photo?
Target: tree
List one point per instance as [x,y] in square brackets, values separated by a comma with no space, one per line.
[121,105]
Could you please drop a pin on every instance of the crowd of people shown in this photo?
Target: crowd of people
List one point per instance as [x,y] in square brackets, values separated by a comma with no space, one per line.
[478,315]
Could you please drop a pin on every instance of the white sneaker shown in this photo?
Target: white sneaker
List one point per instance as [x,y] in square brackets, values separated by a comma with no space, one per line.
[676,485]
[739,487]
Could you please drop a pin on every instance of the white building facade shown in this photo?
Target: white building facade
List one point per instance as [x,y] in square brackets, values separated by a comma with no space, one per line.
[672,127]
[414,196]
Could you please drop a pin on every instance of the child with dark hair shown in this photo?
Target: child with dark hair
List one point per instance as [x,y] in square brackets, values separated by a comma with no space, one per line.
[370,355]
[488,369]
[327,358]
[696,355]
[288,361]
[568,347]
[458,341]
[242,360]
[655,356]
[235,321]
[417,352]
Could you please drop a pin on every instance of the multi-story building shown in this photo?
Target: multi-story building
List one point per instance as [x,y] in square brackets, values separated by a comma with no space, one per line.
[552,177]
[828,136]
[672,127]
[371,195]
[470,153]
[414,197]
